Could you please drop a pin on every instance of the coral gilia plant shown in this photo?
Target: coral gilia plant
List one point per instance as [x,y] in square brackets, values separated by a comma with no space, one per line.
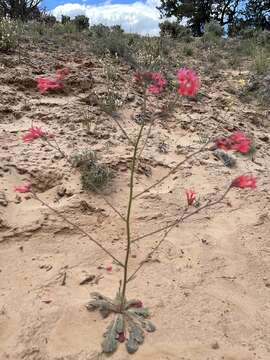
[131,318]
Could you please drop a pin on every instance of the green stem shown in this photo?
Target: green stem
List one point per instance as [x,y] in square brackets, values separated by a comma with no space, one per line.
[128,222]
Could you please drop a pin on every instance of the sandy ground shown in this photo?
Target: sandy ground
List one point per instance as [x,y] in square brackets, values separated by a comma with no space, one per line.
[208,287]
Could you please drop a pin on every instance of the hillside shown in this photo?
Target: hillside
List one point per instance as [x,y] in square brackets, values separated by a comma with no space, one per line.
[208,285]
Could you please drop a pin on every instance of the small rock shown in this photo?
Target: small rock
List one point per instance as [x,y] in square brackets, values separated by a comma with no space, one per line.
[264,138]
[3,199]
[61,191]
[215,345]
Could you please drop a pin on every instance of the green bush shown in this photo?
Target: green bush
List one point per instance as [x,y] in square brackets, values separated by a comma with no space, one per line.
[247,33]
[115,43]
[94,175]
[261,61]
[263,38]
[213,29]
[174,30]
[65,19]
[81,22]
[9,35]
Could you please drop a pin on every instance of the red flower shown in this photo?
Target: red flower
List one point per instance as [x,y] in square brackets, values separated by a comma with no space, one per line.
[155,81]
[62,73]
[121,337]
[158,83]
[45,84]
[189,82]
[33,133]
[109,268]
[237,141]
[191,197]
[22,188]
[244,181]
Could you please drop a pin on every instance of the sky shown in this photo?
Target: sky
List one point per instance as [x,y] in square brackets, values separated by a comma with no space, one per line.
[139,16]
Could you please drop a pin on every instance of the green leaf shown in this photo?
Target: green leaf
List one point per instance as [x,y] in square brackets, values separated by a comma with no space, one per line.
[148,326]
[143,312]
[109,344]
[131,345]
[135,332]
[119,324]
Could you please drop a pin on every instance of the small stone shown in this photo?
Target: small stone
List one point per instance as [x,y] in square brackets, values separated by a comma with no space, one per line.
[264,138]
[61,191]
[215,345]
[3,199]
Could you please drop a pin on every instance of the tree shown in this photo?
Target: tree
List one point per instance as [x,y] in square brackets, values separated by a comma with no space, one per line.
[257,14]
[65,19]
[20,9]
[200,12]
[81,22]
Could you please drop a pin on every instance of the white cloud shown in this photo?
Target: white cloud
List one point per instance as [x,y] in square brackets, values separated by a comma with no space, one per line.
[139,17]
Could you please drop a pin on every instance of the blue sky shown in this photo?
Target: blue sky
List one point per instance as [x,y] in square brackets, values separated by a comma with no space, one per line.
[140,16]
[51,4]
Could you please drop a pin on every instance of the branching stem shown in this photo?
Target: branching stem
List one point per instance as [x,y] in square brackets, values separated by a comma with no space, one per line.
[182,218]
[90,237]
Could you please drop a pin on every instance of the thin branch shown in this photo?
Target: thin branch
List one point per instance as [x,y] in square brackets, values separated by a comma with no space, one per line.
[115,116]
[176,222]
[203,148]
[154,249]
[146,138]
[78,228]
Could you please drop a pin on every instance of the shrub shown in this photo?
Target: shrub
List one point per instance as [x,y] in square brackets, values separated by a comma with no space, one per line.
[8,35]
[65,19]
[261,62]
[106,40]
[213,29]
[247,33]
[174,30]
[94,175]
[23,10]
[263,38]
[81,22]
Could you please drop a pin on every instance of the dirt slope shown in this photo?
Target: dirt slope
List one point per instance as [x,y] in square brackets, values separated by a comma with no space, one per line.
[208,287]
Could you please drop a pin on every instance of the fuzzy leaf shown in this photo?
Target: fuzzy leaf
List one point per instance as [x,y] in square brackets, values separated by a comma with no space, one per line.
[103,306]
[119,324]
[109,344]
[139,312]
[135,332]
[148,326]
[131,345]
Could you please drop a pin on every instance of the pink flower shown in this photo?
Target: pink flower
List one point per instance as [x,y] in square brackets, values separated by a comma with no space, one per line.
[240,142]
[44,84]
[109,268]
[191,197]
[33,133]
[155,81]
[244,181]
[189,82]
[237,141]
[62,73]
[158,83]
[22,188]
